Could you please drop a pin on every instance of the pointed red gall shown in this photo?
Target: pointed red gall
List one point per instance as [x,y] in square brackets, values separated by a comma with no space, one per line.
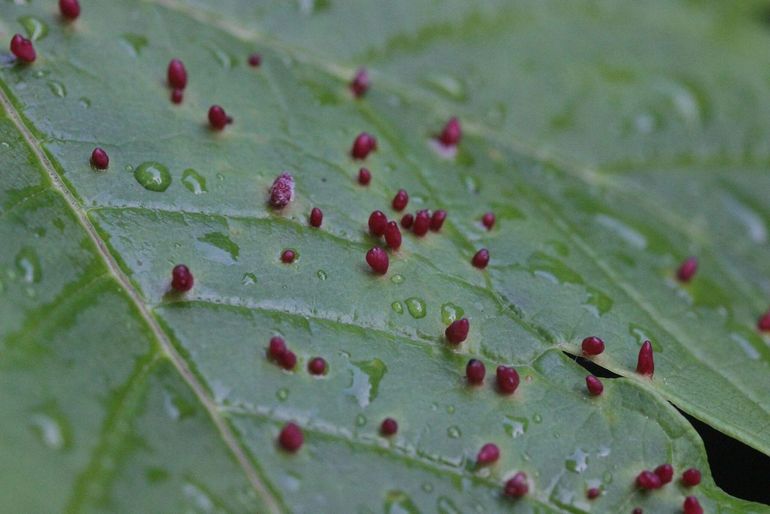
[691,505]
[457,331]
[407,220]
[276,348]
[488,454]
[388,427]
[364,176]
[665,472]
[378,222]
[218,118]
[421,223]
[359,85]
[691,477]
[316,217]
[475,371]
[594,385]
[288,360]
[23,49]
[282,191]
[99,159]
[69,9]
[363,145]
[317,366]
[593,493]
[481,259]
[763,323]
[687,269]
[181,278]
[177,96]
[507,379]
[288,256]
[393,235]
[645,365]
[648,480]
[516,486]
[452,133]
[377,260]
[401,200]
[592,346]
[437,220]
[177,74]
[255,60]
[637,510]
[291,437]
[488,220]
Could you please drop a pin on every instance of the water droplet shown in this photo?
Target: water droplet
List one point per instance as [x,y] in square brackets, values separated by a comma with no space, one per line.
[365,380]
[448,86]
[397,502]
[454,432]
[397,278]
[446,506]
[308,7]
[218,247]
[515,427]
[249,279]
[397,307]
[28,264]
[57,88]
[749,349]
[472,184]
[604,451]
[84,102]
[623,231]
[321,274]
[427,487]
[194,182]
[552,269]
[35,28]
[416,307]
[153,176]
[537,418]
[451,312]
[51,428]
[607,478]
[200,500]
[282,394]
[226,60]
[134,43]
[577,462]
[360,420]
[597,302]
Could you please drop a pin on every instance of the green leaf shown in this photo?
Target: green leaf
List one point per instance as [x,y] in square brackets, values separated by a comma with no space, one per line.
[612,140]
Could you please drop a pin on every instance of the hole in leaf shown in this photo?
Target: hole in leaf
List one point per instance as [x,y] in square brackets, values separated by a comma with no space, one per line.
[592,367]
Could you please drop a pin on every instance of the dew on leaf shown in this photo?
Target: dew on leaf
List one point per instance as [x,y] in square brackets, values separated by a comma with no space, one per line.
[49,430]
[451,312]
[445,506]
[249,279]
[397,307]
[360,420]
[577,462]
[134,43]
[537,418]
[57,89]
[447,86]
[35,28]
[219,247]
[153,176]
[28,265]
[321,274]
[365,380]
[397,278]
[514,426]
[454,432]
[398,502]
[416,307]
[194,181]
[223,58]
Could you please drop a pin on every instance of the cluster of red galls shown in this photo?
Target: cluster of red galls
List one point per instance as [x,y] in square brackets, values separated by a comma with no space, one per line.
[650,480]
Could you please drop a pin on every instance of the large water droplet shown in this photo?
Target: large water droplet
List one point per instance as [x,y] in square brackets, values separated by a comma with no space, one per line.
[134,43]
[35,28]
[451,312]
[365,380]
[153,176]
[194,181]
[416,307]
[28,264]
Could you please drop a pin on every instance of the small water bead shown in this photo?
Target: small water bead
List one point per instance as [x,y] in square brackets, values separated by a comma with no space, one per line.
[181,278]
[452,133]
[687,269]
[360,420]
[255,60]
[378,260]
[475,372]
[218,118]
[416,307]
[316,217]
[691,505]
[592,346]
[691,477]
[594,385]
[317,366]
[321,274]
[378,222]
[282,394]
[288,256]
[23,49]
[488,454]
[177,96]
[153,176]
[507,379]
[363,145]
[437,220]
[648,480]
[388,427]
[401,200]
[421,223]
[593,493]
[645,364]
[481,259]
[393,235]
[516,486]
[454,432]
[176,74]
[282,190]
[407,220]
[397,278]
[364,176]
[397,307]
[665,472]
[291,437]
[488,220]
[359,85]
[763,323]
[99,159]
[457,331]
